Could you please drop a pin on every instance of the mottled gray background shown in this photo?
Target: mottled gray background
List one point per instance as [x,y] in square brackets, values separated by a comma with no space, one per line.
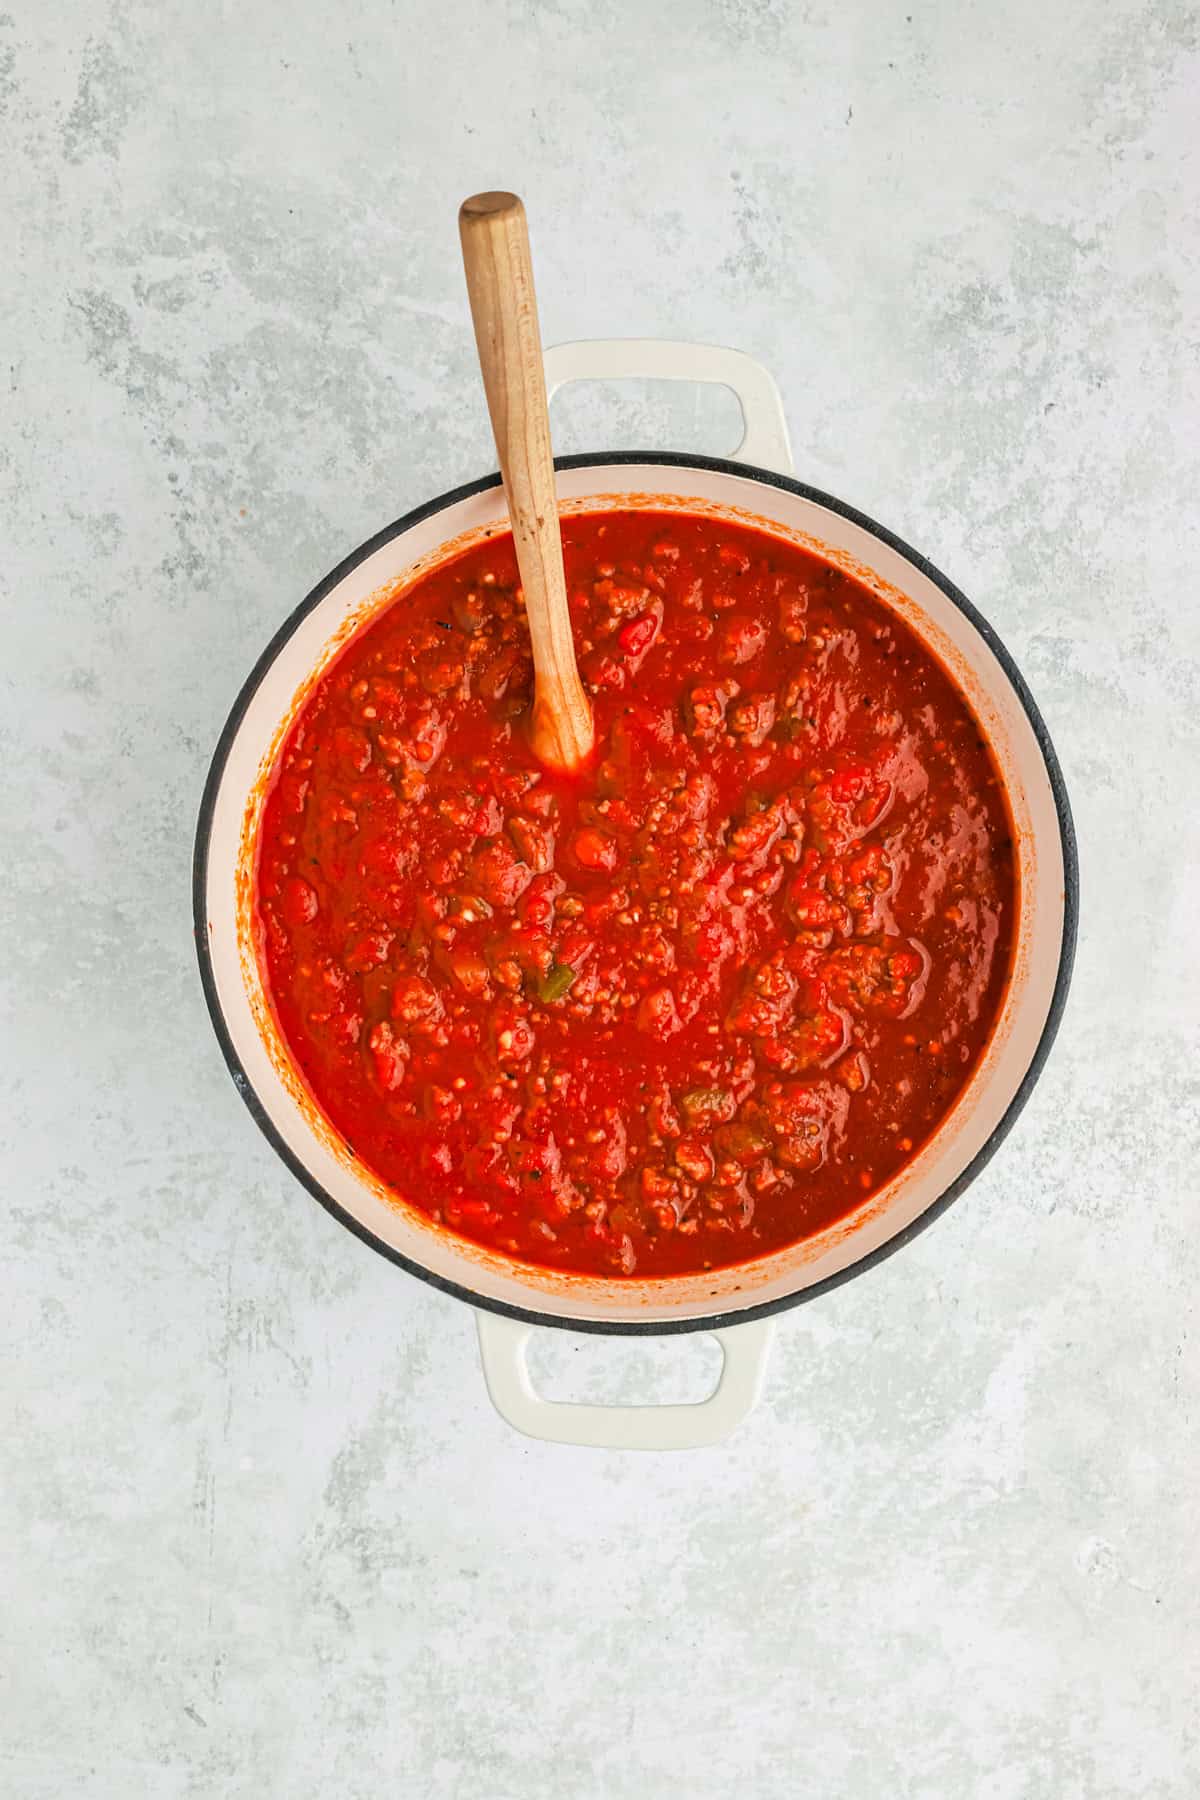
[262,1533]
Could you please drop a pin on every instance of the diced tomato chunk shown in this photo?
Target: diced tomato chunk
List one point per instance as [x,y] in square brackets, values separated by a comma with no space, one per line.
[534,844]
[706,705]
[499,874]
[636,637]
[850,783]
[353,747]
[390,1056]
[512,1034]
[743,637]
[367,950]
[734,556]
[416,1003]
[537,903]
[595,850]
[470,971]
[299,903]
[600,669]
[793,609]
[657,1015]
[695,1158]
[752,717]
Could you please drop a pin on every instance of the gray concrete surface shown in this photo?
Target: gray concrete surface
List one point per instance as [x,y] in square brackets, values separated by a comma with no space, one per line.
[261,1533]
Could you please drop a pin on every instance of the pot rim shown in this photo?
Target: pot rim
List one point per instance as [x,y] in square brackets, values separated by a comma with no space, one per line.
[635,1327]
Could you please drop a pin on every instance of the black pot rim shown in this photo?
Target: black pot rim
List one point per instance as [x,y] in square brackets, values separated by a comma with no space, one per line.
[736,1316]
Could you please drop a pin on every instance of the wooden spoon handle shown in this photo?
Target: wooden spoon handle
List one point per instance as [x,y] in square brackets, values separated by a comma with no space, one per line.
[495,245]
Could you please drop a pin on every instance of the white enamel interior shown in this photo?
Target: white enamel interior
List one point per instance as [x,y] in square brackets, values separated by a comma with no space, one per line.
[948,632]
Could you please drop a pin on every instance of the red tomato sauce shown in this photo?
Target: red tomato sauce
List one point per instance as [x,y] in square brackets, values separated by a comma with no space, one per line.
[682,1011]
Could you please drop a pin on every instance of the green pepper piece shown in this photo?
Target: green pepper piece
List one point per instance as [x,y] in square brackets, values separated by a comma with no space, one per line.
[556,982]
[468,907]
[707,1106]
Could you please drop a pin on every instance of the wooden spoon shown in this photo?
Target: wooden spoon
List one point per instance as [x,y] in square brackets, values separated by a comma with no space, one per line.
[495,245]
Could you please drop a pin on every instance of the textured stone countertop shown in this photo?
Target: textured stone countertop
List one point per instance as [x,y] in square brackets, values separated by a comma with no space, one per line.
[263,1534]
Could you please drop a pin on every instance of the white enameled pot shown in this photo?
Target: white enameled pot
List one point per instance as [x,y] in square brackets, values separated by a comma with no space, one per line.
[736,1304]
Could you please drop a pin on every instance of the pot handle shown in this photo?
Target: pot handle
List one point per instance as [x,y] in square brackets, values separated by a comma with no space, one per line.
[502,1347]
[765,440]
